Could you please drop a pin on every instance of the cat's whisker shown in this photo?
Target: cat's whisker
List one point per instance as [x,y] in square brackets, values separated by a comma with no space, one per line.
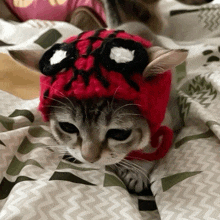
[58,148]
[59,151]
[69,157]
[134,166]
[53,88]
[113,98]
[119,167]
[130,114]
[130,104]
[136,170]
[51,113]
[134,158]
[109,109]
[54,106]
[62,103]
[129,163]
[60,93]
[119,120]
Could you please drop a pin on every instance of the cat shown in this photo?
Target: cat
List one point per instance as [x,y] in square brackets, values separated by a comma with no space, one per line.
[102,131]
[102,124]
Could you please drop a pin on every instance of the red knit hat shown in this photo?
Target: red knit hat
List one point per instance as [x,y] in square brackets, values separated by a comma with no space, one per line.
[107,63]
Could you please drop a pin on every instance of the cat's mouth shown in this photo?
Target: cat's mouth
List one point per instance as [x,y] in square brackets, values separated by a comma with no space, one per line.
[104,159]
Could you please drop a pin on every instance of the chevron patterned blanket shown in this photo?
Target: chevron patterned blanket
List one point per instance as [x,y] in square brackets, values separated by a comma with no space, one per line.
[185,185]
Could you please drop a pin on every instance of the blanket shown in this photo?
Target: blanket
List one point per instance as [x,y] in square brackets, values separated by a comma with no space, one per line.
[35,183]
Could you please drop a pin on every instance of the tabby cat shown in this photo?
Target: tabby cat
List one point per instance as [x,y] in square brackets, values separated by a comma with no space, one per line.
[102,131]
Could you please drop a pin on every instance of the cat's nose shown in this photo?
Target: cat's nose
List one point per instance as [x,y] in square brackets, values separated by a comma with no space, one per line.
[91,158]
[90,154]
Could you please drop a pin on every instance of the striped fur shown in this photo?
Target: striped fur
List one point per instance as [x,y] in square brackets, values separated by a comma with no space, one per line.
[94,118]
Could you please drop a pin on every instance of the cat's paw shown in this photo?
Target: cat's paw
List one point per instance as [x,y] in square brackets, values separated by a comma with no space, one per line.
[135,181]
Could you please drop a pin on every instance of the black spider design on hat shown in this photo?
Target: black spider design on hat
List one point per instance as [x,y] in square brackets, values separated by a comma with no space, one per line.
[124,56]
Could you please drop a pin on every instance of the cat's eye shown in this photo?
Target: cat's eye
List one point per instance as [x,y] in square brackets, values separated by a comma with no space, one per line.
[118,134]
[68,127]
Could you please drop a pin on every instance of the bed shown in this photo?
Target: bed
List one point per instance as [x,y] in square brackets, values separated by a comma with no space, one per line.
[185,185]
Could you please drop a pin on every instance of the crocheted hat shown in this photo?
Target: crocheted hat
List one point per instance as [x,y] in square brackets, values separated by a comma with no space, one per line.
[107,63]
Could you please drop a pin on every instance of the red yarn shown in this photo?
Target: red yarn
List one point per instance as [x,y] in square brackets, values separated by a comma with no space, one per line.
[161,148]
[152,97]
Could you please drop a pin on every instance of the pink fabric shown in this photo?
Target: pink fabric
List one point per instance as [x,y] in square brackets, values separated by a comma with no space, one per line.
[56,10]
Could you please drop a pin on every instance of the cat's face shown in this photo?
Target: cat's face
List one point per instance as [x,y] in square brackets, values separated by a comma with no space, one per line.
[98,131]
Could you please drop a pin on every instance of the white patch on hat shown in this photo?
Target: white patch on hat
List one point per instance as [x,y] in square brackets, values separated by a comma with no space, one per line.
[121,55]
[57,57]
